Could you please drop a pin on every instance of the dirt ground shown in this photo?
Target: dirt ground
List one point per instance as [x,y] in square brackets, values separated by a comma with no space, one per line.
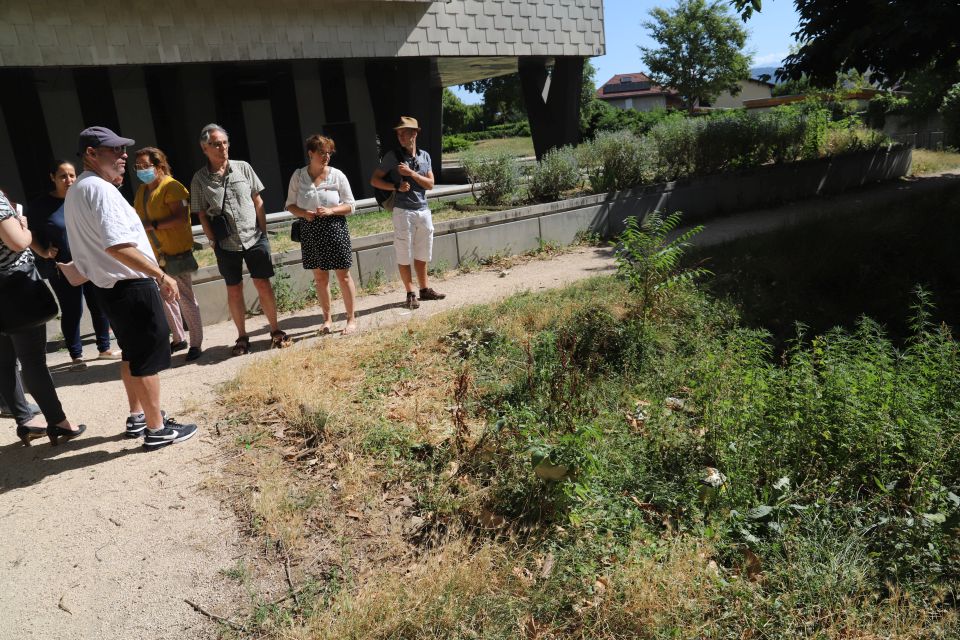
[103,540]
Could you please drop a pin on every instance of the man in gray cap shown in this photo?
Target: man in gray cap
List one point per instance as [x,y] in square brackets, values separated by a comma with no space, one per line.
[111,249]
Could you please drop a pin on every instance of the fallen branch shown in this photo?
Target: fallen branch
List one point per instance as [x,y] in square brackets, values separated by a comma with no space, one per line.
[230,623]
[286,565]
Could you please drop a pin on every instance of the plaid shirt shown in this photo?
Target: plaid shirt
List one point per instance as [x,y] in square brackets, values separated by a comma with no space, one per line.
[207,195]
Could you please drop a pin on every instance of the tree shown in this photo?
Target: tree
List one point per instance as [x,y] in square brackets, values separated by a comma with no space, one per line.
[502,98]
[893,39]
[700,53]
[459,117]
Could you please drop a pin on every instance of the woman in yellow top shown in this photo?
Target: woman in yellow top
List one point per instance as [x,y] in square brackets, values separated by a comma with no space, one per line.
[161,205]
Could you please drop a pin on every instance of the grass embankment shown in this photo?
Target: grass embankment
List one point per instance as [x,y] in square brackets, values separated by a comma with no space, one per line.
[926,161]
[564,466]
[834,270]
[517,147]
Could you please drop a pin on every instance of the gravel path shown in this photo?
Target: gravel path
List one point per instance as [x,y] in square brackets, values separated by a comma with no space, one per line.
[102,540]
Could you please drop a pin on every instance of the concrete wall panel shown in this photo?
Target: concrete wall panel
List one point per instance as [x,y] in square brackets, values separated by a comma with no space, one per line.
[510,238]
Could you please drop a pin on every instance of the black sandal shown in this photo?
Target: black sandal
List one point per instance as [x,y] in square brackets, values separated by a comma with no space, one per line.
[241,347]
[279,339]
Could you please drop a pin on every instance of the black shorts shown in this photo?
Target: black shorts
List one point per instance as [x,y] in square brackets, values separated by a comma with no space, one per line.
[257,257]
[135,311]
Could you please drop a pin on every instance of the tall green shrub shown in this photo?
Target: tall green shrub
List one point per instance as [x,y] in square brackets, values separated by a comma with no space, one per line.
[494,178]
[675,141]
[617,160]
[950,109]
[556,172]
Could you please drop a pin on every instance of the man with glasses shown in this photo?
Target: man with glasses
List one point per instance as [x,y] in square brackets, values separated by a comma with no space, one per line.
[225,195]
[408,171]
[111,249]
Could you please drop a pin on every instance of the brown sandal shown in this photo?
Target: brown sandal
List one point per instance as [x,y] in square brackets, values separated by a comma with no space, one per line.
[279,339]
[241,347]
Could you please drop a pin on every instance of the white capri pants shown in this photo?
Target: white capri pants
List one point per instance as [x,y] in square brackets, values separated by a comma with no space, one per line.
[412,235]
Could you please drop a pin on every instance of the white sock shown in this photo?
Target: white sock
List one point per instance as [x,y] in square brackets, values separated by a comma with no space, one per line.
[155,428]
[137,416]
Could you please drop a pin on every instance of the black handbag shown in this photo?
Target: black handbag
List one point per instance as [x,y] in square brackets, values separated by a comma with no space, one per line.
[219,224]
[295,229]
[28,302]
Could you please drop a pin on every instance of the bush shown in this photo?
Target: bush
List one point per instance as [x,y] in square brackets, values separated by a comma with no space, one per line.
[617,160]
[556,172]
[520,129]
[676,141]
[494,178]
[455,143]
[883,105]
[950,110]
[603,117]
[850,140]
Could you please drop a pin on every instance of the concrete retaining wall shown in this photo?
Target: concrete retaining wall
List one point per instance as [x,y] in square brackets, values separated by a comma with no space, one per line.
[519,230]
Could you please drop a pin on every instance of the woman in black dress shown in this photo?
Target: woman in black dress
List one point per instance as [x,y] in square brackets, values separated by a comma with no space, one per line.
[321,197]
[46,223]
[26,338]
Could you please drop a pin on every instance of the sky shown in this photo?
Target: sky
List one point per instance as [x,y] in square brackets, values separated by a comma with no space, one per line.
[769,39]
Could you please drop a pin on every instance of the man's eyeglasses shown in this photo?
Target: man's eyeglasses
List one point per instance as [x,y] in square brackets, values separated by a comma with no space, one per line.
[117,151]
[220,144]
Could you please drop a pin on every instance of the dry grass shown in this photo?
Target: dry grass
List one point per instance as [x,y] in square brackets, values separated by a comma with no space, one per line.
[926,161]
[317,431]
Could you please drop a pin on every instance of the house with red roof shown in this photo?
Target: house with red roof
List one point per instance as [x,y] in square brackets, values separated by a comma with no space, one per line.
[636,91]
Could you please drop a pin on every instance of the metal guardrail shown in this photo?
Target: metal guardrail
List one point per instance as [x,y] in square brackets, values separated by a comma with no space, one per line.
[921,139]
[366,205]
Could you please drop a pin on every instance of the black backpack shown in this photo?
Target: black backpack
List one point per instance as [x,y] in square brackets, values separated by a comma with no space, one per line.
[387,199]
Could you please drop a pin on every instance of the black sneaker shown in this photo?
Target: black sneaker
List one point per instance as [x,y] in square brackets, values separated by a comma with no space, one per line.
[411,302]
[178,346]
[171,433]
[431,294]
[193,353]
[135,426]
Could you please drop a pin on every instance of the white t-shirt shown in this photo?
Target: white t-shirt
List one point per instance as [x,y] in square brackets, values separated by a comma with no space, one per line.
[332,191]
[97,218]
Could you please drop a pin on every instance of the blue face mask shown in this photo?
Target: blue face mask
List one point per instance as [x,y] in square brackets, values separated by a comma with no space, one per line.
[147,176]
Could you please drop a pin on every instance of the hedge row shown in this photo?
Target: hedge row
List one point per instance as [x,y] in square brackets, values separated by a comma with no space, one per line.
[676,147]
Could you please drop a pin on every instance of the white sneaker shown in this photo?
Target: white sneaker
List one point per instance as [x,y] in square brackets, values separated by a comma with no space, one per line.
[110,355]
[77,364]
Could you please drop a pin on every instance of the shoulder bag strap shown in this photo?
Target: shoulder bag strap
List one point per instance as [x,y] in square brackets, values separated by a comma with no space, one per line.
[149,229]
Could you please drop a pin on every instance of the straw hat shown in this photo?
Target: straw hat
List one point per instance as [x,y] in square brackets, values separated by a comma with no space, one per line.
[406,122]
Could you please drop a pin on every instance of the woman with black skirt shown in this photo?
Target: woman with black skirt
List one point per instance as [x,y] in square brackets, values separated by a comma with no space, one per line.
[321,197]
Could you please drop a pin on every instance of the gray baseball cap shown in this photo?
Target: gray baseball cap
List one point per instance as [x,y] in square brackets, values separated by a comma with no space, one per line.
[102,137]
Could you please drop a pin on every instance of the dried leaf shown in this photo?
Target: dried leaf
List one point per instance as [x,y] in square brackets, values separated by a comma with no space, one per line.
[356,515]
[547,567]
[645,506]
[753,565]
[523,575]
[490,520]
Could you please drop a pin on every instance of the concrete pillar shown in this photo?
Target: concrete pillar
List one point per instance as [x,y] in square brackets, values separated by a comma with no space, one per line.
[404,86]
[552,100]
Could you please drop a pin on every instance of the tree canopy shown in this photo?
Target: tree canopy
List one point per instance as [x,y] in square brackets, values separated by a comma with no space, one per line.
[893,39]
[700,50]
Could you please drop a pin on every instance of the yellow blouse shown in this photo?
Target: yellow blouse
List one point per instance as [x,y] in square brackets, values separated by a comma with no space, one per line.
[174,240]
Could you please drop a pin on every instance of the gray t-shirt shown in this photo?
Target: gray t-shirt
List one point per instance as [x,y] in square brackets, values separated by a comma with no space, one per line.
[206,194]
[416,198]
